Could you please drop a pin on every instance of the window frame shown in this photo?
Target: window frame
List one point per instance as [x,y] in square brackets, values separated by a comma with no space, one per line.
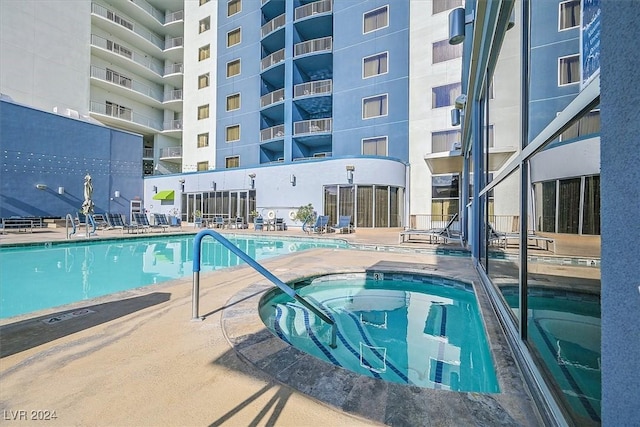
[234,2]
[207,24]
[560,59]
[201,77]
[380,54]
[434,98]
[385,138]
[226,133]
[204,50]
[239,30]
[203,163]
[445,42]
[202,137]
[384,96]
[364,19]
[228,64]
[227,101]
[560,15]
[228,158]
[202,108]
[457,3]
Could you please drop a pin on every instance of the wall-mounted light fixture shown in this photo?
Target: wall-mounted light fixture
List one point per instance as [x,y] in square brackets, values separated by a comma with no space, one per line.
[214,185]
[253,180]
[181,181]
[60,190]
[292,179]
[155,189]
[455,117]
[350,169]
[457,21]
[41,186]
[116,194]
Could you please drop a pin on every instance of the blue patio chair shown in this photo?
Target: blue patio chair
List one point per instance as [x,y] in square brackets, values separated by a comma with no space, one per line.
[258,223]
[344,224]
[320,225]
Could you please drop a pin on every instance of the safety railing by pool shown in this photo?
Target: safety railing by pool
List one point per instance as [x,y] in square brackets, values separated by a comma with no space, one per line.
[195,301]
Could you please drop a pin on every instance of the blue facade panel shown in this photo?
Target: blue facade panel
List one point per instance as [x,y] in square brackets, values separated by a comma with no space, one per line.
[56,151]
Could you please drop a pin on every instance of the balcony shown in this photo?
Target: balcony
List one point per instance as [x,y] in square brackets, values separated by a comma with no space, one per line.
[324,44]
[319,87]
[316,156]
[147,153]
[172,125]
[171,154]
[123,118]
[149,67]
[272,133]
[128,27]
[171,17]
[306,127]
[274,24]
[323,6]
[272,98]
[274,58]
[125,86]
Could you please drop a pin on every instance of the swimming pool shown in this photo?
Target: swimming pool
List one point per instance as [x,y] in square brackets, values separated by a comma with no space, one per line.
[48,275]
[416,330]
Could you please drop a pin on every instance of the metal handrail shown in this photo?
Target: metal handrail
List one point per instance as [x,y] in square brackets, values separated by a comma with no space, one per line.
[195,302]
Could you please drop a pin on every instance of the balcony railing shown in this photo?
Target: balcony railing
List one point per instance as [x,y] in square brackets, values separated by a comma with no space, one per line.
[272,59]
[174,42]
[272,132]
[318,87]
[173,125]
[314,8]
[173,69]
[124,114]
[312,126]
[149,63]
[123,81]
[316,156]
[147,153]
[271,98]
[173,95]
[174,16]
[128,24]
[273,25]
[315,45]
[157,15]
[170,152]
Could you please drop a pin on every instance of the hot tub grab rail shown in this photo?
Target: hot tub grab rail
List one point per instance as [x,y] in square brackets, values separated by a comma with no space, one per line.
[195,301]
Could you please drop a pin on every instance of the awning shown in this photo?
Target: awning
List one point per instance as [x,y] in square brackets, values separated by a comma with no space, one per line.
[451,161]
[164,195]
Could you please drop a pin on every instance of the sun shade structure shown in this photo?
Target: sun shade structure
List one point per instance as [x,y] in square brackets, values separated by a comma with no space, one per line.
[164,195]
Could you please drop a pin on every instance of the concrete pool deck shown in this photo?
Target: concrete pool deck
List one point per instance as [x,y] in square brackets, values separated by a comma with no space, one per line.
[136,358]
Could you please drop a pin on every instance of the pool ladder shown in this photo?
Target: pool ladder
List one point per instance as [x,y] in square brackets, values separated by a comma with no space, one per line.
[195,302]
[69,219]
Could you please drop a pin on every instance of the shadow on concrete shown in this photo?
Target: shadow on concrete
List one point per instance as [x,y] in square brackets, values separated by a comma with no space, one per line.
[26,334]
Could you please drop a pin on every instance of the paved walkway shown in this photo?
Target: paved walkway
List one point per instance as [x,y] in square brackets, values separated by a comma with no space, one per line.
[137,359]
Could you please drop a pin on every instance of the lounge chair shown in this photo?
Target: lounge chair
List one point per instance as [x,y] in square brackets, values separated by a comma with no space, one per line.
[258,223]
[502,239]
[320,225]
[344,224]
[116,221]
[446,233]
[101,221]
[239,223]
[280,225]
[161,220]
[218,222]
[142,221]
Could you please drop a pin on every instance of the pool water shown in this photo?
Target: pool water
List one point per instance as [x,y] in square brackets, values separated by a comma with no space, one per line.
[39,277]
[405,331]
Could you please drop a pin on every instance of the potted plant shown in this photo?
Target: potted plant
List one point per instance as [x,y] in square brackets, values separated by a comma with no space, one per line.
[306,213]
[253,214]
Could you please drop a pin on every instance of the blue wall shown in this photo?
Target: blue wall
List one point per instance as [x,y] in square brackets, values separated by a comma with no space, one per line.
[44,148]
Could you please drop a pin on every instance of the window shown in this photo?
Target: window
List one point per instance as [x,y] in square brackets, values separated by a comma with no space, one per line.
[586,125]
[443,51]
[117,78]
[444,196]
[233,37]
[203,81]
[205,24]
[233,102]
[119,111]
[374,107]
[203,140]
[233,7]
[442,5]
[203,166]
[376,19]
[203,53]
[374,146]
[203,112]
[233,68]
[568,70]
[203,2]
[447,140]
[233,133]
[569,15]
[232,162]
[375,65]
[443,96]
